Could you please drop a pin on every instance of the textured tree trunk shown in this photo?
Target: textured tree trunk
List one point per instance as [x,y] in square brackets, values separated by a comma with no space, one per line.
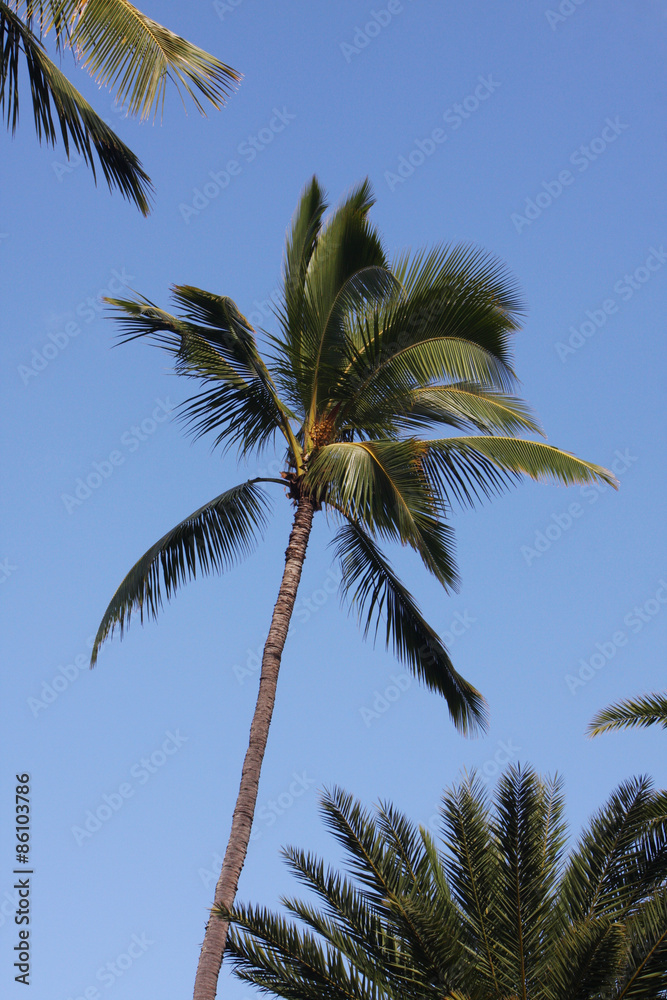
[215,937]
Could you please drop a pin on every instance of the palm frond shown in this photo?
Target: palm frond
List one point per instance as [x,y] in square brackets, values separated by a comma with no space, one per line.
[458,294]
[134,57]
[472,870]
[212,539]
[381,484]
[645,976]
[274,955]
[529,832]
[366,387]
[345,266]
[79,125]
[465,467]
[372,589]
[213,343]
[633,713]
[484,920]
[585,960]
[300,246]
[621,856]
[464,406]
[348,267]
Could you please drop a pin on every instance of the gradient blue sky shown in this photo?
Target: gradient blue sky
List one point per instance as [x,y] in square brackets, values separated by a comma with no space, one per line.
[526,621]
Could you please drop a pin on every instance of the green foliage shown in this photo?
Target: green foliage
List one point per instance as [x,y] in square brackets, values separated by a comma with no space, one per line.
[210,540]
[634,713]
[123,50]
[369,353]
[497,910]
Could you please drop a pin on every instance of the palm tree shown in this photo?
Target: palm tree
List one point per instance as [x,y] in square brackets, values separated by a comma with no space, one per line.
[497,912]
[634,713]
[123,50]
[370,353]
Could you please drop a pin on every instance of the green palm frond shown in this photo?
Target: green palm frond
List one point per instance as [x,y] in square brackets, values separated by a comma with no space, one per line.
[472,870]
[365,388]
[621,855]
[345,267]
[212,539]
[348,268]
[300,246]
[370,859]
[633,713]
[134,57]
[344,906]
[583,956]
[372,589]
[645,976]
[213,343]
[457,294]
[483,921]
[464,467]
[274,955]
[463,273]
[462,405]
[381,485]
[529,834]
[59,107]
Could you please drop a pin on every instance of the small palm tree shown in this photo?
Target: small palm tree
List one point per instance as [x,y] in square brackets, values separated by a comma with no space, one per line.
[499,913]
[634,713]
[370,354]
[122,49]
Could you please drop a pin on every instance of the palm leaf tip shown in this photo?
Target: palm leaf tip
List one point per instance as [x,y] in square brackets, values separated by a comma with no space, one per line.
[633,713]
[514,457]
[76,120]
[133,55]
[371,587]
[212,539]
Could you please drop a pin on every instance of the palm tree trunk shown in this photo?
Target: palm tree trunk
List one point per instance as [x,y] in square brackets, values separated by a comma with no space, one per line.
[215,937]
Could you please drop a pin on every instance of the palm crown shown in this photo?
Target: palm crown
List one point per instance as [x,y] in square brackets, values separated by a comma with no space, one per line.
[495,911]
[370,356]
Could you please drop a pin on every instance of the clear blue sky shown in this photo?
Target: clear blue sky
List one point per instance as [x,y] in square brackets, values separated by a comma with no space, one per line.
[558,120]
